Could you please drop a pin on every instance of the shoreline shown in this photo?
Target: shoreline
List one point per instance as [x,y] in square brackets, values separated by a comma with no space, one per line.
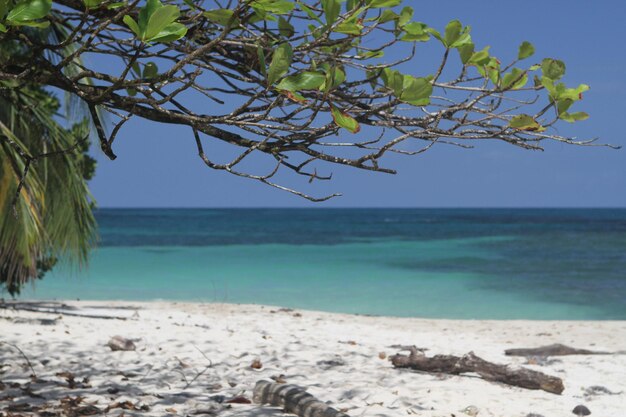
[182,303]
[336,356]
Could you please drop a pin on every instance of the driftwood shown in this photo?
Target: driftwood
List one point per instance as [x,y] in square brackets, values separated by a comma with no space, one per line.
[455,365]
[292,399]
[552,350]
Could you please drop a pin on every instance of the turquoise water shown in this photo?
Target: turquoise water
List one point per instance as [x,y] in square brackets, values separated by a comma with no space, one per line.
[527,264]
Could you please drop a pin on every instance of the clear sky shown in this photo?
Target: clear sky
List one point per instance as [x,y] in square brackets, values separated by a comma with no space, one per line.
[158,166]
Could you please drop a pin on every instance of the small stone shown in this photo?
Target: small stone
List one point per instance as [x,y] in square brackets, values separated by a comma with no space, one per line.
[471,410]
[239,399]
[279,379]
[120,343]
[256,364]
[331,363]
[382,355]
[217,398]
[581,410]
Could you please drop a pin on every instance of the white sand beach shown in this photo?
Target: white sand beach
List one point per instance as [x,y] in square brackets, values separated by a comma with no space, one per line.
[189,358]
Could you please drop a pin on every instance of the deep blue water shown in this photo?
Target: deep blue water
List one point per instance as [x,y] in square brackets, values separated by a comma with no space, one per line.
[446,263]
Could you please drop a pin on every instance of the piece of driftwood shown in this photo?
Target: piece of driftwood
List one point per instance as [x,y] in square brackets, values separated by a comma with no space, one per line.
[455,365]
[556,349]
[292,399]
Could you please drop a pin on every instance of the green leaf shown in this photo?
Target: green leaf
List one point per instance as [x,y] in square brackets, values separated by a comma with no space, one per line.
[92,3]
[261,55]
[150,70]
[309,12]
[464,38]
[374,54]
[273,6]
[302,81]
[574,117]
[549,85]
[285,28]
[415,32]
[563,105]
[294,96]
[526,49]
[383,3]
[116,5]
[334,77]
[260,16]
[526,122]
[160,19]
[136,70]
[480,58]
[220,16]
[372,75]
[131,92]
[145,13]
[27,10]
[466,52]
[3,28]
[34,24]
[349,28]
[386,16]
[281,60]
[574,94]
[4,7]
[436,34]
[393,79]
[172,32]
[515,79]
[130,22]
[332,8]
[405,16]
[344,120]
[552,68]
[416,91]
[452,32]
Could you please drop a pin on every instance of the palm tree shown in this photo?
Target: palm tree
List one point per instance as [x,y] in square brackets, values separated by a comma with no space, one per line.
[46,209]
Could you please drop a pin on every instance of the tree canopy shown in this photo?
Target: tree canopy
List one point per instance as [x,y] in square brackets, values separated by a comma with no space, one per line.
[303,83]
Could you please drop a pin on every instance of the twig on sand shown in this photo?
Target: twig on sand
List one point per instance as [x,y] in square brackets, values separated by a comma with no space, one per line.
[23,355]
[199,374]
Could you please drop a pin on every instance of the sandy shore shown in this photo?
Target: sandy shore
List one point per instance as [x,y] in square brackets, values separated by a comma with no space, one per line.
[191,357]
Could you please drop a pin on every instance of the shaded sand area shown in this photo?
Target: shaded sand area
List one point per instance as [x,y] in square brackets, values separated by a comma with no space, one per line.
[191,359]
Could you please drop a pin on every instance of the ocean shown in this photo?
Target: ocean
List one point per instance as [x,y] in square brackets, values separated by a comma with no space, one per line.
[437,263]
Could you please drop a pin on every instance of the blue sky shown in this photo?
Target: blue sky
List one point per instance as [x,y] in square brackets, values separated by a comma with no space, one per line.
[157,165]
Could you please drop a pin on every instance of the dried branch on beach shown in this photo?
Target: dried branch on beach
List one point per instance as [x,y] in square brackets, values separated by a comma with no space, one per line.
[293,399]
[455,365]
[556,349]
